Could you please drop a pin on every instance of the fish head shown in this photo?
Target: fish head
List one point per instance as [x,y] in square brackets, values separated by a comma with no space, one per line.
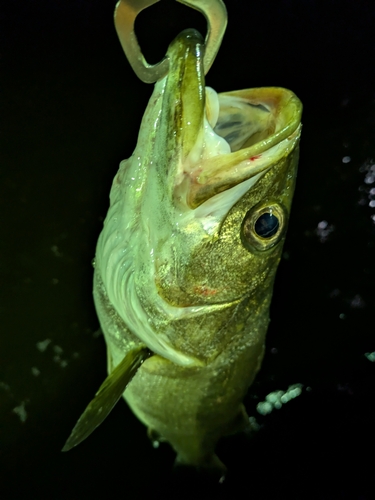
[199,213]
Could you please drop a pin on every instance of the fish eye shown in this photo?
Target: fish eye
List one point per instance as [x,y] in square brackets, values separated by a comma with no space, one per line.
[266,225]
[263,226]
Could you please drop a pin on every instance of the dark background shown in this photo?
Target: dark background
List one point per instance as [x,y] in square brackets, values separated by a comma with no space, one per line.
[70,112]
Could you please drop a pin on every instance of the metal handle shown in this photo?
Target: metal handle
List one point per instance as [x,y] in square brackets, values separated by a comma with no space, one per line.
[127,10]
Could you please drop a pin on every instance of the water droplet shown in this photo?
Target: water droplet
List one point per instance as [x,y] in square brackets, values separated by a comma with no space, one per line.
[20,410]
[43,344]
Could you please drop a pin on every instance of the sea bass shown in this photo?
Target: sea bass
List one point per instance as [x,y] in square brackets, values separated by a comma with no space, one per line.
[186,260]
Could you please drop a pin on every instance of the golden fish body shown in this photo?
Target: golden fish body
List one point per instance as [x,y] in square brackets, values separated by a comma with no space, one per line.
[187,258]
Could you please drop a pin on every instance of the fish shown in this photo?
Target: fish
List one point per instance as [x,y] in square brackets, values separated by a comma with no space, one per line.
[186,261]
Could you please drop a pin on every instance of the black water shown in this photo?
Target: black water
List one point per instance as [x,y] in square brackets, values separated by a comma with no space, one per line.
[70,111]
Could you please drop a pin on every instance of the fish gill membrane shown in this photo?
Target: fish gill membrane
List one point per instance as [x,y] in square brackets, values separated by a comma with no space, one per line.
[186,260]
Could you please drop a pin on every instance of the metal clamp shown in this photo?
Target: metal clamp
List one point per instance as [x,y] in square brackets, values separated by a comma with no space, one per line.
[127,10]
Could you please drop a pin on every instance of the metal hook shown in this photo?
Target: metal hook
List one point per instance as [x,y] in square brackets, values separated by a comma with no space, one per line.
[127,10]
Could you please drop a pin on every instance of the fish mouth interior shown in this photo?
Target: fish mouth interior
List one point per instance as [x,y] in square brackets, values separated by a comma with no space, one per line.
[245,133]
[250,116]
[244,124]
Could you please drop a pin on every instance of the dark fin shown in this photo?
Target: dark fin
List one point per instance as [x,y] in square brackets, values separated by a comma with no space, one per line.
[107,396]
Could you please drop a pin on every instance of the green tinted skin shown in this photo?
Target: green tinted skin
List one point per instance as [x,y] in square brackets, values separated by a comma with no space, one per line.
[192,401]
[192,407]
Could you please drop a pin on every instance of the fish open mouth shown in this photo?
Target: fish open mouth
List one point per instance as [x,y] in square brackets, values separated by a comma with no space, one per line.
[245,133]
[223,139]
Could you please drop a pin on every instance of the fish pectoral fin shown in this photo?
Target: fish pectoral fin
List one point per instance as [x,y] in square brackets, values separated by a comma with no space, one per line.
[107,396]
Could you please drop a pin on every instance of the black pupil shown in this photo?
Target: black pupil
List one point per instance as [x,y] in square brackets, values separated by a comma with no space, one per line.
[267,225]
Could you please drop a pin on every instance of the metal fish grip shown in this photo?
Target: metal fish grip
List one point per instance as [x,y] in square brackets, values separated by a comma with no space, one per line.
[126,12]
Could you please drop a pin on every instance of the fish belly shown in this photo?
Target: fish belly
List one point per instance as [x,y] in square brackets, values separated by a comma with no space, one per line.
[193,407]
